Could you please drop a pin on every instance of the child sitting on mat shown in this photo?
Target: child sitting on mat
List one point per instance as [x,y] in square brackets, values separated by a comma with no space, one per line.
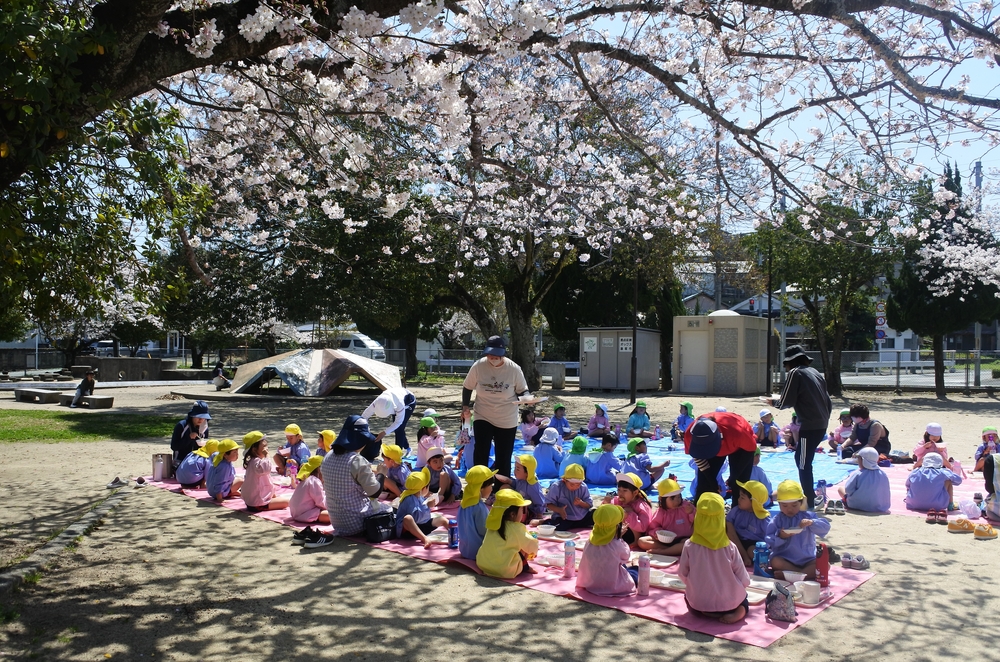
[570,500]
[193,468]
[599,424]
[638,422]
[746,525]
[507,546]
[472,515]
[413,518]
[758,475]
[531,428]
[837,437]
[867,489]
[308,502]
[221,481]
[711,567]
[638,510]
[325,442]
[525,483]
[295,448]
[578,453]
[443,480]
[931,487]
[602,567]
[638,462]
[602,470]
[792,549]
[932,443]
[675,514]
[396,471]
[548,454]
[430,436]
[682,422]
[258,491]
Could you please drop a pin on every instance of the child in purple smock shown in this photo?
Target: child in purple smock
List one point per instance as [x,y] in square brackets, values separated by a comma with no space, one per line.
[473,513]
[792,550]
[746,525]
[638,462]
[570,500]
[548,454]
[600,470]
[413,518]
[525,483]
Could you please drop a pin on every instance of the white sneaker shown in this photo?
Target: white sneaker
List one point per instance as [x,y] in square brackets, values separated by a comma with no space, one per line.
[116,483]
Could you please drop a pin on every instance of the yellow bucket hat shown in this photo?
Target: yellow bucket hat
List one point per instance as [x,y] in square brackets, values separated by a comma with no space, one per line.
[530,464]
[668,487]
[206,450]
[505,499]
[474,479]
[225,446]
[789,490]
[415,482]
[710,522]
[251,438]
[623,477]
[607,517]
[292,428]
[574,472]
[758,497]
[310,466]
[393,452]
[328,437]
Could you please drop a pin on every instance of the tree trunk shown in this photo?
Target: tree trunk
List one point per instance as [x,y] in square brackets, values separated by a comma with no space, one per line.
[411,357]
[521,345]
[476,310]
[939,367]
[197,356]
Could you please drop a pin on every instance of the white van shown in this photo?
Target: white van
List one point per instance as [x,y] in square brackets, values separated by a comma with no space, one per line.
[362,345]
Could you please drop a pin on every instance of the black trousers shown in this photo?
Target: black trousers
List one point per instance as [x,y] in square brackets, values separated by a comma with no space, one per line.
[740,468]
[500,439]
[809,441]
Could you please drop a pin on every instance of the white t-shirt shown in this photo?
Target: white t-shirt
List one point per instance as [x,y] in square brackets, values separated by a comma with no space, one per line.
[496,391]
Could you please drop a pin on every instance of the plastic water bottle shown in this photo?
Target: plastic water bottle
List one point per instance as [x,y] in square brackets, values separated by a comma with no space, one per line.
[643,587]
[761,556]
[569,559]
[822,564]
[453,533]
[292,471]
[656,432]
[840,451]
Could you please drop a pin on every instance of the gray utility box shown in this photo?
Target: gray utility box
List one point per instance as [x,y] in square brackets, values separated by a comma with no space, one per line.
[722,353]
[606,359]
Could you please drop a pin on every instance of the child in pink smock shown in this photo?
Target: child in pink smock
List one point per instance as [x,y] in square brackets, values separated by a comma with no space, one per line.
[635,503]
[602,568]
[258,491]
[674,514]
[932,443]
[711,567]
[308,502]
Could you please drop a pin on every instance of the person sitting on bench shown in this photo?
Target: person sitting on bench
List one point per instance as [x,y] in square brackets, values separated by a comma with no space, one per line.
[86,387]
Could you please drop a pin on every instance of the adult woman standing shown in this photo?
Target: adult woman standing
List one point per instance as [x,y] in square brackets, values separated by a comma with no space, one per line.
[349,481]
[498,383]
[805,391]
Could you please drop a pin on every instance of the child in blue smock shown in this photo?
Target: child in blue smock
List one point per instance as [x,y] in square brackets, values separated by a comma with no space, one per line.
[443,480]
[758,475]
[638,422]
[472,515]
[682,422]
[413,517]
[570,500]
[465,447]
[396,471]
[638,462]
[600,470]
[930,486]
[325,442]
[560,422]
[791,535]
[548,455]
[746,525]
[220,480]
[193,468]
[719,479]
[295,448]
[578,453]
[867,489]
[525,482]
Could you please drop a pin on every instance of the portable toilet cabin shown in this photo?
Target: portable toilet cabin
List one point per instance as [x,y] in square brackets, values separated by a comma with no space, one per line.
[723,353]
[606,359]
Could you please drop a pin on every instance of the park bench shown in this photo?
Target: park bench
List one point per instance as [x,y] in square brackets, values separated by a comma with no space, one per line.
[39,395]
[92,401]
[878,366]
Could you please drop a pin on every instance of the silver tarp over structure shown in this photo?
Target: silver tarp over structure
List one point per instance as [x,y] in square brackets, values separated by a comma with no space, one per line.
[313,372]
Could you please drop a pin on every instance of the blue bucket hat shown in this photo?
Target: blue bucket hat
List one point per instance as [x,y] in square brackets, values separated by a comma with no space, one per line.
[200,410]
[495,346]
[706,440]
[355,434]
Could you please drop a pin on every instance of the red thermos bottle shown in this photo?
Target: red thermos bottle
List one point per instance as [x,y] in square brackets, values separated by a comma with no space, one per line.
[822,564]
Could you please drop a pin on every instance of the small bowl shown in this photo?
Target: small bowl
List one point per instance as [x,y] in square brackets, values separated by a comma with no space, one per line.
[666,537]
[554,559]
[565,534]
[546,529]
[656,576]
[794,576]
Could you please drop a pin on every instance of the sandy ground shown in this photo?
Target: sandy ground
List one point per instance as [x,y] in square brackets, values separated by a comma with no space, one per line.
[166,577]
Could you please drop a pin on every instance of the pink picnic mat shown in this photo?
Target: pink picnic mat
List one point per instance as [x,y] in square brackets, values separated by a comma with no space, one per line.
[660,605]
[897,487]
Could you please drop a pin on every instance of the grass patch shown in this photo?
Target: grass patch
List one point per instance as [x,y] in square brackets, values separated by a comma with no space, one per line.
[22,426]
[8,614]
[32,577]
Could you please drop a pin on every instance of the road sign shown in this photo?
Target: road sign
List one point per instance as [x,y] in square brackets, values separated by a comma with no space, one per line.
[880,307]
[880,322]
[880,334]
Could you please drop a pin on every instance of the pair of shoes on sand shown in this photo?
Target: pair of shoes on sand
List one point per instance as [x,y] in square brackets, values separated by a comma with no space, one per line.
[854,561]
[979,531]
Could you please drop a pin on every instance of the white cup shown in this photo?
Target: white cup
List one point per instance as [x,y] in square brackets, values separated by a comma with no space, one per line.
[809,591]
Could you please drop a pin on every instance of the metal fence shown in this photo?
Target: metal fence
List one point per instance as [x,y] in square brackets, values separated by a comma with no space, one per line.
[911,369]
